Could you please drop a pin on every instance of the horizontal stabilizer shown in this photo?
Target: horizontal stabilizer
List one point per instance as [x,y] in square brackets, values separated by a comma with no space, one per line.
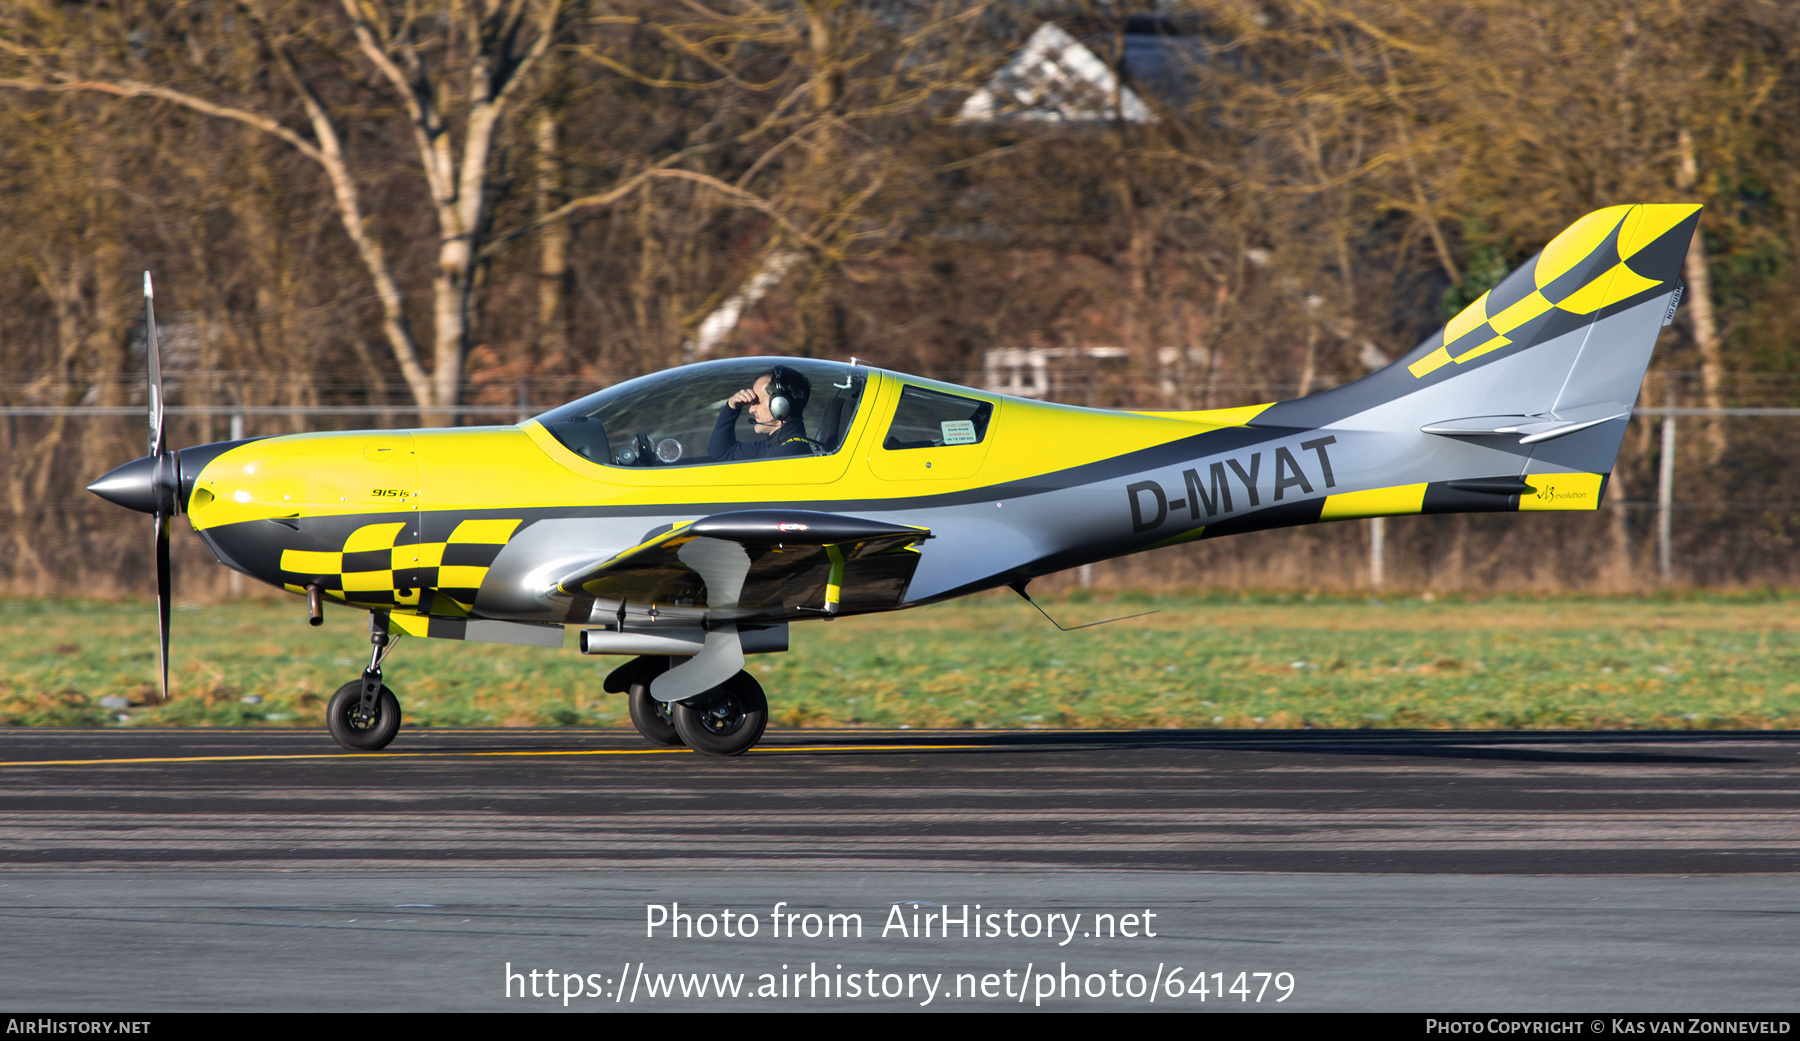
[1531,429]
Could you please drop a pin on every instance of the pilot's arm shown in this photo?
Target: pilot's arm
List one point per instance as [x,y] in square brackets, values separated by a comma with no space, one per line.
[724,444]
[789,436]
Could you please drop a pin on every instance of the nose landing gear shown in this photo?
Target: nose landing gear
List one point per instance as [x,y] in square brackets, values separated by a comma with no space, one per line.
[364,715]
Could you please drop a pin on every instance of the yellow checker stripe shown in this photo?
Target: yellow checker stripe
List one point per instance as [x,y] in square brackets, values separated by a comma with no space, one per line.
[421,559]
[488,531]
[1585,240]
[461,576]
[1576,244]
[368,581]
[1475,352]
[1430,363]
[373,536]
[446,606]
[411,625]
[1375,502]
[1650,223]
[1520,313]
[311,562]
[1466,320]
[1617,283]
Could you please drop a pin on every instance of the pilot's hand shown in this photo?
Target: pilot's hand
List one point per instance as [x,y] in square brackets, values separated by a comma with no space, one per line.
[747,396]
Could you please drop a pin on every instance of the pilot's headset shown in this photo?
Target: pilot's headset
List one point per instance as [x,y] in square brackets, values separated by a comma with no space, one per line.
[783,397]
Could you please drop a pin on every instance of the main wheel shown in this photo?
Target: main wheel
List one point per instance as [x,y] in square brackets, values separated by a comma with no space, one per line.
[726,720]
[354,730]
[652,717]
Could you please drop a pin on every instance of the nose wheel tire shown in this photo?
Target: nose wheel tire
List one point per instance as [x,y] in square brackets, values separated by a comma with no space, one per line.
[727,720]
[357,731]
[653,718]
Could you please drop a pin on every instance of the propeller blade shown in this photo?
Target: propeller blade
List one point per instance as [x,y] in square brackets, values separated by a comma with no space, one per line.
[164,481]
[153,354]
[162,598]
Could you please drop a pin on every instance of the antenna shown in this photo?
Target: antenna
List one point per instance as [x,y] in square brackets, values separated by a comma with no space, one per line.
[1019,588]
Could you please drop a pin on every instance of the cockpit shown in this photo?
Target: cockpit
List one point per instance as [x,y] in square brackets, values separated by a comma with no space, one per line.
[668,418]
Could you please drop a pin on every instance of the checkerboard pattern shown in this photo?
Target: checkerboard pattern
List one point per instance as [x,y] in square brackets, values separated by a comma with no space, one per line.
[375,565]
[1586,268]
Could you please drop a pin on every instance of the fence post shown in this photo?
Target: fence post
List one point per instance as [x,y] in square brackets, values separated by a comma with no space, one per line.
[1665,500]
[1377,550]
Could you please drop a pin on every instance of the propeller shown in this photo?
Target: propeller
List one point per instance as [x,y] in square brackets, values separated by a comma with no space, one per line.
[165,481]
[152,484]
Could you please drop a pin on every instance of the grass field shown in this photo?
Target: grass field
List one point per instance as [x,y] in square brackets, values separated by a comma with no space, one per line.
[1703,661]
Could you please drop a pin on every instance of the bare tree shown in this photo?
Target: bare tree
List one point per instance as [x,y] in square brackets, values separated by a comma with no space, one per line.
[452,68]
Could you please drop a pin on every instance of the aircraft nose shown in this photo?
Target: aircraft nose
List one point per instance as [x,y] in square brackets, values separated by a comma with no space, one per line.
[132,486]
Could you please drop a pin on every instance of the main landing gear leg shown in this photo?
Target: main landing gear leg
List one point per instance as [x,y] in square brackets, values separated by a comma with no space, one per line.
[364,715]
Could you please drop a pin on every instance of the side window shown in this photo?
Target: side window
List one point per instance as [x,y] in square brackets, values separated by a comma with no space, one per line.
[832,409]
[928,419]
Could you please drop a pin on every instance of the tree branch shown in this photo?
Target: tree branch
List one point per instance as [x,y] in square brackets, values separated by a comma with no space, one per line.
[134,89]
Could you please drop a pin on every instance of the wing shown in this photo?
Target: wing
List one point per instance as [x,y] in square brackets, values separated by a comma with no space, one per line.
[761,563]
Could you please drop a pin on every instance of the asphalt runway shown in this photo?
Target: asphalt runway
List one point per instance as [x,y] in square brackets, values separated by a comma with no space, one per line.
[264,869]
[1368,801]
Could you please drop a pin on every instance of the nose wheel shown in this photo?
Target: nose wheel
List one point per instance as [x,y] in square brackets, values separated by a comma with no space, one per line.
[364,715]
[361,728]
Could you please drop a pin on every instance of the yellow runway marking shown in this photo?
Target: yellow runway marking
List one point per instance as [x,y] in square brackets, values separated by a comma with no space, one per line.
[455,754]
[871,748]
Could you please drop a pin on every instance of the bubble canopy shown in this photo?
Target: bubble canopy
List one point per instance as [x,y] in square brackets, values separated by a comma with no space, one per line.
[667,418]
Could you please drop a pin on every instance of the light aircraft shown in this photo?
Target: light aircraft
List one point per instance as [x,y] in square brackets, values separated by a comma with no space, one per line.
[638,516]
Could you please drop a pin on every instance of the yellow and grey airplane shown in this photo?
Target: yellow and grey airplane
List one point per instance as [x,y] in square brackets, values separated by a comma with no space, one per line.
[641,518]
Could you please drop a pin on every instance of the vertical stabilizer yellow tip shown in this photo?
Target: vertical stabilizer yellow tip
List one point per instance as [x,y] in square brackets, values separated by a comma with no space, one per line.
[1652,222]
[1577,243]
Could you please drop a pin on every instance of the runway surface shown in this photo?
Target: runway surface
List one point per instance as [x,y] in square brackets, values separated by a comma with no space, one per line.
[1373,801]
[1480,872]
[442,940]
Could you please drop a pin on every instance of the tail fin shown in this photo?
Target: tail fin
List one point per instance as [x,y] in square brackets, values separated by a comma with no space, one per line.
[1530,387]
[1608,262]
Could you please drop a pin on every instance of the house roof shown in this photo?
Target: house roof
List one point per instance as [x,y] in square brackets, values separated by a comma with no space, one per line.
[1055,78]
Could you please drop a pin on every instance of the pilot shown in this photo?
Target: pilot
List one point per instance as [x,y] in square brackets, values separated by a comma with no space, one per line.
[776,400]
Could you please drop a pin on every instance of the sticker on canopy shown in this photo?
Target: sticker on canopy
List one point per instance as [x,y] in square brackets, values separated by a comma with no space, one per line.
[958,431]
